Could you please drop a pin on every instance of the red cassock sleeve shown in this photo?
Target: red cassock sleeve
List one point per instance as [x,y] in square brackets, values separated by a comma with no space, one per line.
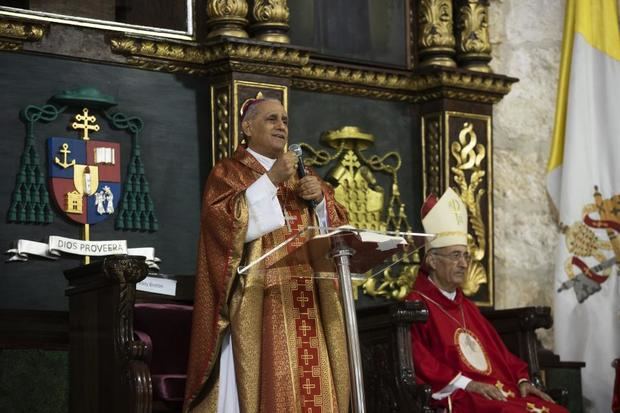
[429,369]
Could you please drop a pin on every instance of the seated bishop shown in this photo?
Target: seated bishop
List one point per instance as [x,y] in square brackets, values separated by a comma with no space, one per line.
[457,351]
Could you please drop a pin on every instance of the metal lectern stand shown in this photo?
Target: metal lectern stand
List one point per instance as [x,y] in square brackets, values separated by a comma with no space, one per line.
[342,258]
[344,250]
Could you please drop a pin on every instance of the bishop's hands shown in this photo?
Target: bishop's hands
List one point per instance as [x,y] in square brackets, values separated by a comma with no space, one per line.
[309,188]
[486,390]
[284,167]
[493,393]
[526,388]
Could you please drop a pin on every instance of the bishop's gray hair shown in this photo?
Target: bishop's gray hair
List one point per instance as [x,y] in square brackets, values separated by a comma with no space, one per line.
[251,113]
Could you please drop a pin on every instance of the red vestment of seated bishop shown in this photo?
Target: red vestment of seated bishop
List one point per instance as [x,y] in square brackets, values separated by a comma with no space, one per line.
[458,340]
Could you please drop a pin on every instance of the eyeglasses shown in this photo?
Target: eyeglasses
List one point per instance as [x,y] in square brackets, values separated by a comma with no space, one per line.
[455,256]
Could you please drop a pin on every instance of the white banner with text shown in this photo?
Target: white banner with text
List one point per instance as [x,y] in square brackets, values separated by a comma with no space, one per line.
[57,245]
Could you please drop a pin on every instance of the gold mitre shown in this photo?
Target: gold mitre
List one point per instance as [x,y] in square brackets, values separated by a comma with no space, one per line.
[446,218]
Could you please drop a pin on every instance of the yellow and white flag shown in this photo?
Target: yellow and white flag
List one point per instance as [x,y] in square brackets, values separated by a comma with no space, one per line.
[584,184]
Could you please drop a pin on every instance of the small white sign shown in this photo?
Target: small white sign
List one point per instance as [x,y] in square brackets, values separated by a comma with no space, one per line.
[158,286]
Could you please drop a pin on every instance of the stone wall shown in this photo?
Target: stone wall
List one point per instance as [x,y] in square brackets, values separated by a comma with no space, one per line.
[527,39]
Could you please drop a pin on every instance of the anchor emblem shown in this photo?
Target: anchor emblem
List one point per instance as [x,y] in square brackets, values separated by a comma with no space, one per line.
[65,151]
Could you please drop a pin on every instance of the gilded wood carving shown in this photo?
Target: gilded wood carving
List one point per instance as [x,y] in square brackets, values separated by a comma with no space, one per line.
[354,176]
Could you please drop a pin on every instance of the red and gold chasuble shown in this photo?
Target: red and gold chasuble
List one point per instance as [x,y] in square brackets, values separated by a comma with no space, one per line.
[457,339]
[286,327]
[291,299]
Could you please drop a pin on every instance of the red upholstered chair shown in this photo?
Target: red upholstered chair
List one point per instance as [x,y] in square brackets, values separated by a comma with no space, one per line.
[165,329]
[128,350]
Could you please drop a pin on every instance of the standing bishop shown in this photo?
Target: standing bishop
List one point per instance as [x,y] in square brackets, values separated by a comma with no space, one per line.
[271,340]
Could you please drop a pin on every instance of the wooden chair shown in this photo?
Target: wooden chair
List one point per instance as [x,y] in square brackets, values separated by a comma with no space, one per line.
[385,343]
[126,357]
[517,328]
[165,328]
[107,363]
[389,377]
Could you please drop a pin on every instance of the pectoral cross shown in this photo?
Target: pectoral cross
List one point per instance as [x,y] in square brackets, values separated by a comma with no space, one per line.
[531,407]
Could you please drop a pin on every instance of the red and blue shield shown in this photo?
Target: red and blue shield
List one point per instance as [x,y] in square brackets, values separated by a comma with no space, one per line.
[85,178]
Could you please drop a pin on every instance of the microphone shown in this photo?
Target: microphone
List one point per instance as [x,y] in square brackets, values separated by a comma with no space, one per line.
[301,170]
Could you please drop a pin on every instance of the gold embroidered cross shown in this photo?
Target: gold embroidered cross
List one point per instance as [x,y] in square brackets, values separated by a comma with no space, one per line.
[500,387]
[289,219]
[304,327]
[308,386]
[306,357]
[85,125]
[531,407]
[302,299]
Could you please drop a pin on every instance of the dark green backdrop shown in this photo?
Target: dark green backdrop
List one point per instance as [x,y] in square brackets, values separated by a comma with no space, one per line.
[176,154]
[175,146]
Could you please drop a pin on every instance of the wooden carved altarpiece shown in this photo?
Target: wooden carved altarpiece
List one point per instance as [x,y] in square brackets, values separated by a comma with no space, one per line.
[243,47]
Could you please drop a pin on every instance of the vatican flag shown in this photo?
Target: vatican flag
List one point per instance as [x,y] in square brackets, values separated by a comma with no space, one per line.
[584,184]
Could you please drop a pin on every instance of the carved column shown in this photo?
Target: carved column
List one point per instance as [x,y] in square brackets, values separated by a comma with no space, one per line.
[473,46]
[270,21]
[227,18]
[107,371]
[222,142]
[457,152]
[435,33]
